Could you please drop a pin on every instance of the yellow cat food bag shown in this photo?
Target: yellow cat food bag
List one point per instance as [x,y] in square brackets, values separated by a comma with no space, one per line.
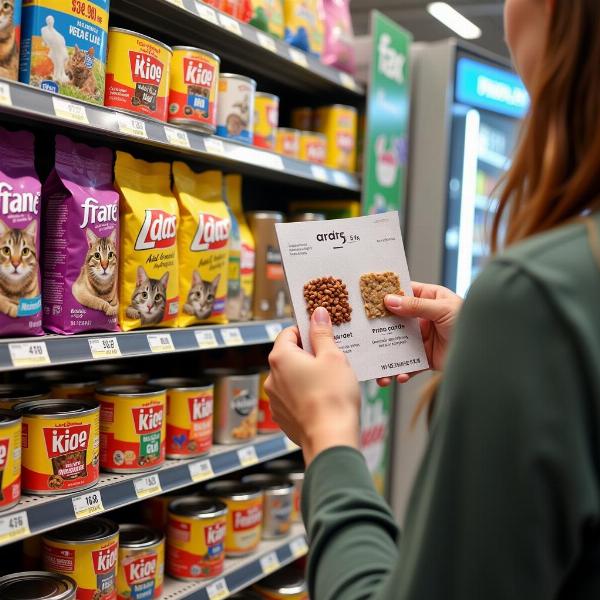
[148,277]
[203,245]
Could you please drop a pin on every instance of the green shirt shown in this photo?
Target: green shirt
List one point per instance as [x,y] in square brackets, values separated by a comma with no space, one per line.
[506,505]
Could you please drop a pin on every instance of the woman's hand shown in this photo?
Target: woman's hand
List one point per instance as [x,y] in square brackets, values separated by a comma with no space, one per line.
[315,399]
[437,309]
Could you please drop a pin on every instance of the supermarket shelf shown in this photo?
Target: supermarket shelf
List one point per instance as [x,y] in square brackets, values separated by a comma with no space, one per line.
[242,572]
[36,514]
[21,353]
[200,25]
[32,104]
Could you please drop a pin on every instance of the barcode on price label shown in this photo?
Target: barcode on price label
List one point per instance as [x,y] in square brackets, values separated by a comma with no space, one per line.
[69,110]
[269,563]
[232,336]
[266,41]
[230,24]
[273,330]
[5,98]
[247,456]
[318,172]
[298,547]
[160,342]
[105,347]
[131,126]
[201,470]
[207,13]
[177,137]
[147,486]
[298,57]
[87,505]
[217,590]
[13,527]
[28,354]
[206,338]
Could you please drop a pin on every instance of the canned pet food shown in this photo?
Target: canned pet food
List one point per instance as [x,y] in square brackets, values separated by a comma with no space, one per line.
[278,503]
[125,379]
[87,552]
[37,585]
[10,459]
[189,416]
[266,424]
[195,538]
[294,471]
[313,147]
[287,142]
[302,118]
[286,584]
[75,386]
[137,73]
[60,445]
[193,88]
[132,427]
[141,564]
[266,119]
[339,124]
[15,393]
[244,517]
[235,109]
[236,405]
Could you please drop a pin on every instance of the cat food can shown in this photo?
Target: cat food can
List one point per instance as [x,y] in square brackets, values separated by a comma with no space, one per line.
[137,73]
[339,124]
[236,405]
[64,47]
[287,142]
[37,585]
[266,424]
[244,517]
[141,564]
[10,458]
[266,119]
[294,471]
[193,88]
[60,445]
[235,109]
[313,147]
[302,118]
[278,503]
[287,584]
[132,427]
[195,538]
[75,386]
[12,394]
[87,552]
[125,379]
[189,416]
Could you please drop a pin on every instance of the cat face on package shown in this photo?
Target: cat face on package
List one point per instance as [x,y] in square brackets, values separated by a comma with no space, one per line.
[10,18]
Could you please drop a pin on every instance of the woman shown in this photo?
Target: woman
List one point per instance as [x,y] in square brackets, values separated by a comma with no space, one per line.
[507,502]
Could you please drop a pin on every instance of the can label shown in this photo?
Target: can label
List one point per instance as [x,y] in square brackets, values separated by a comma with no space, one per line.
[140,574]
[273,595]
[92,565]
[313,148]
[189,422]
[266,424]
[236,409]
[278,514]
[195,547]
[339,124]
[244,525]
[235,110]
[287,142]
[193,88]
[10,464]
[266,119]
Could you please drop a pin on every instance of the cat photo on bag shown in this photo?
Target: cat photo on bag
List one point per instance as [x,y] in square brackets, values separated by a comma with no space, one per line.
[10,38]
[201,297]
[149,298]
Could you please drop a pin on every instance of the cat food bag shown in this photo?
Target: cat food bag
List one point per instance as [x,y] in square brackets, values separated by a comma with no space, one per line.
[304,24]
[20,210]
[149,280]
[81,241]
[10,38]
[268,16]
[203,245]
[339,49]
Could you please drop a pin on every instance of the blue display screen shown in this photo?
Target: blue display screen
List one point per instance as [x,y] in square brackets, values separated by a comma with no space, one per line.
[483,86]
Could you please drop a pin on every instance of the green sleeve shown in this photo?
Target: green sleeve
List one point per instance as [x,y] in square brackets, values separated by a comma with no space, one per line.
[508,484]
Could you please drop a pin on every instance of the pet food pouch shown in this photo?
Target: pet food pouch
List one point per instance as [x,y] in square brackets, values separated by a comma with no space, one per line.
[268,16]
[304,24]
[339,49]
[81,241]
[203,245]
[149,286]
[10,38]
[20,210]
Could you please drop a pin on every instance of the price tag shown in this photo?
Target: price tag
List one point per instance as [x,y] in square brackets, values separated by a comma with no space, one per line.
[5,98]
[104,347]
[160,342]
[87,505]
[298,547]
[214,146]
[217,590]
[206,12]
[206,339]
[232,336]
[147,486]
[268,160]
[318,172]
[341,179]
[131,126]
[273,330]
[269,563]
[266,41]
[177,3]
[298,57]
[28,354]
[201,470]
[347,81]
[69,110]
[230,24]
[247,456]
[291,446]
[177,137]
[13,527]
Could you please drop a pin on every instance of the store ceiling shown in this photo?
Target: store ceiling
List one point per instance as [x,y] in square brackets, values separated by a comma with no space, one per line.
[412,15]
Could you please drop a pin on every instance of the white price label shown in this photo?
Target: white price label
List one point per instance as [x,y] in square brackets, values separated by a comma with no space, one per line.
[230,24]
[206,339]
[177,3]
[291,446]
[29,354]
[269,563]
[214,146]
[298,547]
[347,81]
[206,12]
[5,98]
[177,137]
[318,172]
[247,456]
[273,330]
[131,126]
[201,470]
[13,527]
[147,486]
[160,342]
[69,110]
[232,336]
[341,178]
[87,505]
[217,590]
[104,347]
[298,57]
[266,41]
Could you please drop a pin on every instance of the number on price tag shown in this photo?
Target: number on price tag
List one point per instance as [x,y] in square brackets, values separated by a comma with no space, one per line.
[201,470]
[298,57]
[131,126]
[298,547]
[13,527]
[230,24]
[69,110]
[5,98]
[147,486]
[318,172]
[28,354]
[177,137]
[206,12]
[347,81]
[217,590]
[340,178]
[232,336]
[291,446]
[247,456]
[160,342]
[87,505]
[206,339]
[214,146]
[273,330]
[266,41]
[269,563]
[104,347]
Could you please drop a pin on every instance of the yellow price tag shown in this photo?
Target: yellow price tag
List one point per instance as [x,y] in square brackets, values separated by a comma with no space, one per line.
[14,527]
[87,505]
[105,347]
[29,354]
[247,456]
[217,590]
[147,486]
[201,470]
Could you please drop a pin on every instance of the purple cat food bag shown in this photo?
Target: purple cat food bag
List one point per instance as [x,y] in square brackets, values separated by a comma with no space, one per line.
[20,209]
[81,241]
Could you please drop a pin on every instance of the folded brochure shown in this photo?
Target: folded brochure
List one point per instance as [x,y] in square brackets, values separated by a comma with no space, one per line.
[349,266]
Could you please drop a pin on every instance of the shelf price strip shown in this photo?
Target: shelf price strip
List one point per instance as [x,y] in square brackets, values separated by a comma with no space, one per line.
[131,126]
[147,486]
[232,336]
[160,342]
[88,504]
[230,24]
[201,470]
[206,339]
[207,13]
[177,137]
[29,354]
[217,590]
[266,41]
[247,456]
[105,347]
[273,330]
[70,111]
[13,527]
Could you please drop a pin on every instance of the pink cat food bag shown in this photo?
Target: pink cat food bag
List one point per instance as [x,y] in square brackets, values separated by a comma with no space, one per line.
[339,36]
[20,210]
[81,241]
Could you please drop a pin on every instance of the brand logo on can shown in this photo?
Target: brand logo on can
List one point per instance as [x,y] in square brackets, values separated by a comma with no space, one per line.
[243,402]
[158,230]
[201,407]
[18,202]
[212,233]
[147,419]
[140,569]
[214,534]
[196,72]
[105,559]
[315,151]
[345,141]
[63,440]
[247,518]
[3,452]
[145,68]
